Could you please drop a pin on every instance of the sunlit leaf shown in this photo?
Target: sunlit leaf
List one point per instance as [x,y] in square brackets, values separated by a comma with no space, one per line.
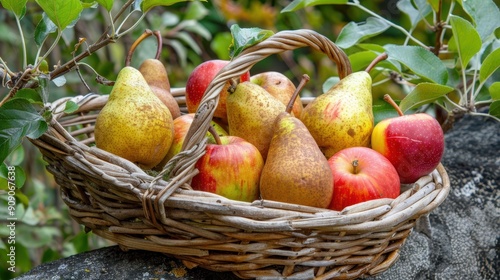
[420,61]
[466,38]
[107,4]
[353,32]
[18,7]
[246,37]
[490,64]
[70,107]
[146,5]
[495,91]
[300,4]
[61,12]
[485,14]
[434,4]
[423,93]
[30,94]
[495,109]
[220,44]
[43,29]
[18,118]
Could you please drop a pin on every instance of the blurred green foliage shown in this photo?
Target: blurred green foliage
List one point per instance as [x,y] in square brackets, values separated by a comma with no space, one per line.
[192,32]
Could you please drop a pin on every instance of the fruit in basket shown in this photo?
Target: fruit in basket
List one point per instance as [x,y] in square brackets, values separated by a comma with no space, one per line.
[251,113]
[342,117]
[230,168]
[181,127]
[156,76]
[134,123]
[361,174]
[296,171]
[198,81]
[279,86]
[414,143]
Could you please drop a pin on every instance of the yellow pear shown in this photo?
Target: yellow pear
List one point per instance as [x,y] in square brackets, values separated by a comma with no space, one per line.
[342,117]
[296,171]
[251,112]
[134,123]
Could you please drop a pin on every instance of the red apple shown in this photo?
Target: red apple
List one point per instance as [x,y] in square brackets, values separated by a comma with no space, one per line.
[414,144]
[181,127]
[231,169]
[361,174]
[198,82]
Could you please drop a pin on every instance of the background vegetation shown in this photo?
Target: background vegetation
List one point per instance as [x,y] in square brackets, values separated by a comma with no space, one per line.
[197,31]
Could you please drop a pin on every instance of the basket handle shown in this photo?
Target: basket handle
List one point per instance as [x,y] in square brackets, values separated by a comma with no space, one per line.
[194,143]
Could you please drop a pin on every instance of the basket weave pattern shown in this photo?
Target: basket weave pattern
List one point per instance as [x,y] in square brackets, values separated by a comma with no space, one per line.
[118,201]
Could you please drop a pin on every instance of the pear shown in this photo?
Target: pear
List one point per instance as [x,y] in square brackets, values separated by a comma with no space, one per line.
[134,123]
[296,171]
[342,117]
[279,86]
[156,76]
[251,112]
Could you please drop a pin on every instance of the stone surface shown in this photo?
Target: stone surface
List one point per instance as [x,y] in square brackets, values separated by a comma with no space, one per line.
[463,242]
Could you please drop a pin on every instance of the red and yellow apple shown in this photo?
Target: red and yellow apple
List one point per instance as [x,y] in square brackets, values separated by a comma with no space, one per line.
[414,143]
[198,81]
[181,127]
[361,174]
[231,169]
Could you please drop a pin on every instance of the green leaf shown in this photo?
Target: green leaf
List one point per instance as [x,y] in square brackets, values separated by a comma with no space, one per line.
[490,64]
[61,12]
[495,91]
[18,118]
[329,83]
[29,94]
[485,14]
[467,40]
[423,93]
[353,32]
[43,29]
[434,4]
[420,61]
[415,12]
[18,7]
[147,5]
[495,109]
[220,44]
[70,107]
[301,4]
[107,4]
[180,50]
[186,38]
[246,37]
[196,11]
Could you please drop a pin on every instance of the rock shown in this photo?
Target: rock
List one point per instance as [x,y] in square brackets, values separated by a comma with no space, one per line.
[463,241]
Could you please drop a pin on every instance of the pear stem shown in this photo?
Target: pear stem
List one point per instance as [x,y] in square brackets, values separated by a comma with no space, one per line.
[305,79]
[382,56]
[141,38]
[355,166]
[389,100]
[214,133]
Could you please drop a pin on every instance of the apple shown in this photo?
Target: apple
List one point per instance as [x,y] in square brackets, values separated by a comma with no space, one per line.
[414,143]
[181,127]
[198,81]
[279,86]
[361,174]
[230,168]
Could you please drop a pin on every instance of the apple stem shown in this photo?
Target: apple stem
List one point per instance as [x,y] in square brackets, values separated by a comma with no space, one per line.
[305,79]
[214,133]
[355,166]
[389,100]
[380,57]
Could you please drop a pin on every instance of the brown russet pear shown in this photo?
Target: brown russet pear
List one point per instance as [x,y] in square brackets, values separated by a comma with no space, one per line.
[134,123]
[279,86]
[156,76]
[251,112]
[296,171]
[342,117]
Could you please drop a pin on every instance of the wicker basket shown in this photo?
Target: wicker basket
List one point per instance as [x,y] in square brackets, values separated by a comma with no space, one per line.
[117,200]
